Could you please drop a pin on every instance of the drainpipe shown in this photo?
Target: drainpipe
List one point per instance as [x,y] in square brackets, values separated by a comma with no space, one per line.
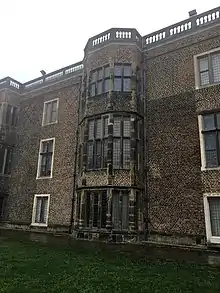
[75,162]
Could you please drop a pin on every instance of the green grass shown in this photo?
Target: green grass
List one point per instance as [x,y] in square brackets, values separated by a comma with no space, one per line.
[27,266]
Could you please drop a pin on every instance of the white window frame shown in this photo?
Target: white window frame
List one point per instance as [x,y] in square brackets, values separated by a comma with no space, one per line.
[39,159]
[209,237]
[196,68]
[202,147]
[33,223]
[44,112]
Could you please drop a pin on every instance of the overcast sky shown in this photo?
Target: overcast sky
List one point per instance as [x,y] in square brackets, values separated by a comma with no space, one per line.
[50,34]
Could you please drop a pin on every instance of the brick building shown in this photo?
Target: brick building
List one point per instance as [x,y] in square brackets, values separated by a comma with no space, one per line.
[122,146]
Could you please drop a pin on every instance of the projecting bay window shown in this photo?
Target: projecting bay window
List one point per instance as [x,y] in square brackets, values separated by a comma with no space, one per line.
[99,81]
[122,78]
[45,161]
[209,125]
[97,145]
[208,68]
[121,142]
[95,209]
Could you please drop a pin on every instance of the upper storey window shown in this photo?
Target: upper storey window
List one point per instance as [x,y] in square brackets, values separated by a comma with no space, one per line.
[122,78]
[208,69]
[100,79]
[99,82]
[50,112]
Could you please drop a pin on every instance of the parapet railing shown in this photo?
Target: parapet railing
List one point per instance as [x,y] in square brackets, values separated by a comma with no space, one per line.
[62,73]
[184,27]
[55,75]
[122,35]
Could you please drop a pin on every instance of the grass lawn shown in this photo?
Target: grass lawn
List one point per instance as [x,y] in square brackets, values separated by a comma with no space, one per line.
[27,266]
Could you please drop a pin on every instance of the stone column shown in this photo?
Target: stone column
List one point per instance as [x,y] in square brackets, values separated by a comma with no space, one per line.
[109,210]
[82,210]
[131,210]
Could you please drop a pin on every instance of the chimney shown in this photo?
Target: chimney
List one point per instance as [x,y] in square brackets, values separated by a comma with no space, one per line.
[192,13]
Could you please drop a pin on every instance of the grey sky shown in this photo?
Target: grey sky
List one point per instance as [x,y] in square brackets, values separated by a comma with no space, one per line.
[50,34]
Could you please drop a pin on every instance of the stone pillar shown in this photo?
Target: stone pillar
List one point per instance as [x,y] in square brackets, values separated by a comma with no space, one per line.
[131,210]
[133,88]
[82,210]
[109,210]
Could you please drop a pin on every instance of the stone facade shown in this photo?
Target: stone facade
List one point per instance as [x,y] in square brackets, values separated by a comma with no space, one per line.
[126,161]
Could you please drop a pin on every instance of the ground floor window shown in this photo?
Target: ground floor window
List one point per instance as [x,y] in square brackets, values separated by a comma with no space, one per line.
[212,217]
[40,210]
[120,210]
[1,206]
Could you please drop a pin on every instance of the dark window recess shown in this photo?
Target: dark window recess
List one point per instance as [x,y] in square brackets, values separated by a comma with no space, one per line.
[121,142]
[99,81]
[120,210]
[11,115]
[41,209]
[95,209]
[1,206]
[211,134]
[209,69]
[46,155]
[122,78]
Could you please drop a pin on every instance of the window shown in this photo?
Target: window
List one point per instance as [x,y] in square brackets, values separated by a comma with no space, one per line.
[40,210]
[1,113]
[1,206]
[120,210]
[50,112]
[97,143]
[212,217]
[94,215]
[209,68]
[121,142]
[122,78]
[209,125]
[99,81]
[5,160]
[11,115]
[45,161]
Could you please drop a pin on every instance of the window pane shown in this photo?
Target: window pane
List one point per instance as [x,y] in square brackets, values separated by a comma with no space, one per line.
[211,158]
[118,70]
[87,209]
[125,206]
[98,128]
[91,129]
[94,77]
[44,207]
[204,78]
[14,116]
[38,210]
[203,64]
[214,206]
[127,70]
[8,114]
[106,85]
[116,210]
[210,140]
[104,209]
[99,87]
[117,126]
[126,153]
[92,90]
[116,153]
[127,126]
[208,122]
[2,155]
[126,85]
[218,120]
[105,151]
[1,205]
[98,155]
[105,126]
[216,67]
[107,72]
[100,74]
[90,155]
[8,162]
[47,146]
[95,210]
[117,84]
[48,108]
[54,112]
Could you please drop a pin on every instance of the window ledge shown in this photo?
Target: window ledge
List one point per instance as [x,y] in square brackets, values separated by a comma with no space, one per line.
[5,175]
[38,225]
[214,240]
[206,86]
[56,122]
[210,169]
[46,177]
